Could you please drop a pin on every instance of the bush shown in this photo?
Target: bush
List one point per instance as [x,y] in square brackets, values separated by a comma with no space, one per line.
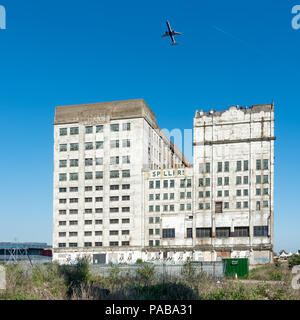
[294,260]
[145,273]
[188,271]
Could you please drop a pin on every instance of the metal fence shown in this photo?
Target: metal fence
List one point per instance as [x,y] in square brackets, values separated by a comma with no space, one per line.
[213,269]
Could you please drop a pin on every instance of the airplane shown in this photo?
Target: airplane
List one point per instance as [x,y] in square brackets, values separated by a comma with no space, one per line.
[171,33]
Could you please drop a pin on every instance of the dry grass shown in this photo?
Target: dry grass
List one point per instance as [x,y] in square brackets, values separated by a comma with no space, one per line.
[52,282]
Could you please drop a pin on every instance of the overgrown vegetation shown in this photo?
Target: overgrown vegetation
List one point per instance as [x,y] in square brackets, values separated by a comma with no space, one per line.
[294,260]
[51,281]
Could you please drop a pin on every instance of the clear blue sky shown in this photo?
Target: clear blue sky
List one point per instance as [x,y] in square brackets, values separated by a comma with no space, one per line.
[71,52]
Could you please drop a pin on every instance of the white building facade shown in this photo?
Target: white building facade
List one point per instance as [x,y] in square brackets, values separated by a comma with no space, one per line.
[123,191]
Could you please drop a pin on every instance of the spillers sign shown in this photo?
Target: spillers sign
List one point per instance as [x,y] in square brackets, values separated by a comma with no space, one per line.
[167,173]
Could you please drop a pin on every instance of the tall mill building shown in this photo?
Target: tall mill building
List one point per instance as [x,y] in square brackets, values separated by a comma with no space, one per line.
[123,191]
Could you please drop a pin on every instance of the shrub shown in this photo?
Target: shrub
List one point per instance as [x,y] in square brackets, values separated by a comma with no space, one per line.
[188,271]
[294,260]
[145,273]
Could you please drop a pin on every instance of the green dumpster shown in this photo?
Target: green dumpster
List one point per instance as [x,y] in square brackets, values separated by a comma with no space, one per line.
[235,266]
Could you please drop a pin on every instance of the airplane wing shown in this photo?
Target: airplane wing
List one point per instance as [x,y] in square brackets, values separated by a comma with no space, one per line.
[176,33]
[167,34]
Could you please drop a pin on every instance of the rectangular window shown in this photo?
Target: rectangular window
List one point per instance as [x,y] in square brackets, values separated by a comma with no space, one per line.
[88,129]
[266,179]
[168,233]
[203,232]
[260,231]
[126,126]
[125,232]
[62,177]
[238,180]
[245,204]
[239,205]
[88,233]
[99,174]
[62,163]
[258,192]
[245,165]
[114,127]
[114,187]
[238,192]
[219,194]
[114,243]
[258,179]
[189,233]
[114,174]
[219,207]
[88,175]
[114,160]
[125,243]
[73,244]
[226,166]
[88,162]
[88,222]
[219,166]
[125,209]
[220,181]
[99,128]
[226,181]
[62,211]
[126,143]
[114,232]
[73,176]
[172,183]
[62,200]
[98,244]
[246,180]
[114,221]
[125,173]
[73,222]
[207,167]
[265,204]
[99,144]
[63,131]
[73,162]
[258,164]
[74,130]
[258,205]
[99,188]
[207,182]
[98,221]
[125,198]
[125,186]
[222,232]
[126,159]
[238,165]
[61,245]
[172,208]
[241,231]
[88,211]
[88,145]
[62,189]
[226,193]
[226,205]
[266,164]
[266,191]
[114,143]
[113,210]
[99,199]
[99,161]
[62,147]
[74,146]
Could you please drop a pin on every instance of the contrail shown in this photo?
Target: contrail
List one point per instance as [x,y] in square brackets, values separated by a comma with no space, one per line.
[236,38]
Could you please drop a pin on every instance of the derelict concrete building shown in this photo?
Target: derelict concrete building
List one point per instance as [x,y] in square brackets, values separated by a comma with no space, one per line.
[123,190]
